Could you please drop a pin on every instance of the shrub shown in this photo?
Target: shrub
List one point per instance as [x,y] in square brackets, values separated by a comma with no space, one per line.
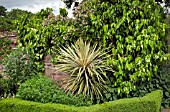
[133,30]
[160,81]
[86,66]
[40,33]
[41,89]
[5,24]
[149,103]
[5,47]
[18,67]
[6,89]
[32,36]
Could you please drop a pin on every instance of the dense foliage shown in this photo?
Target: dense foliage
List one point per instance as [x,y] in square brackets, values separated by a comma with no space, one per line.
[38,34]
[14,14]
[18,67]
[2,11]
[41,89]
[42,33]
[149,103]
[5,47]
[5,24]
[33,37]
[164,3]
[6,90]
[7,18]
[133,30]
[160,81]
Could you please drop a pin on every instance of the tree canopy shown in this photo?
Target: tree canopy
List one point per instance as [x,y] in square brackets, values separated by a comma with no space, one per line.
[68,3]
[7,17]
[2,11]
[15,13]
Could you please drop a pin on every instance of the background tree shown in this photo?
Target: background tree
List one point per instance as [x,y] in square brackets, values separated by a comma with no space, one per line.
[68,3]
[2,11]
[5,24]
[15,13]
[7,18]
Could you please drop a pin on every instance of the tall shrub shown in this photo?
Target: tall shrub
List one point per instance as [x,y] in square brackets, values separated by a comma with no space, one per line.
[134,32]
[18,67]
[40,33]
[32,36]
[41,89]
[160,81]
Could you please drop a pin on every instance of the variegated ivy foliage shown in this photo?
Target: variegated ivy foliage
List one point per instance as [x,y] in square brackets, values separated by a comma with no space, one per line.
[135,32]
[86,67]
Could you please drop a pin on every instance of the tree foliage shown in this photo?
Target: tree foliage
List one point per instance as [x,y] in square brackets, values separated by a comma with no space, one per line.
[14,14]
[42,33]
[133,30]
[2,11]
[7,17]
[5,24]
[69,3]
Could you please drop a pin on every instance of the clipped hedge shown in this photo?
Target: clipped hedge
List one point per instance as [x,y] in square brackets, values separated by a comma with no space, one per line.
[149,103]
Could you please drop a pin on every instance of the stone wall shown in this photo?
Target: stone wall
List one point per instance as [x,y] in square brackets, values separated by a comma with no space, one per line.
[13,45]
[52,72]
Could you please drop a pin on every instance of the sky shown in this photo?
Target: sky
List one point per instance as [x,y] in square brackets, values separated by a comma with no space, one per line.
[35,5]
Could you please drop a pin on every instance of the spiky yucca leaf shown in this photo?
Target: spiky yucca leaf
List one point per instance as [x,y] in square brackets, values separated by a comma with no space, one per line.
[86,66]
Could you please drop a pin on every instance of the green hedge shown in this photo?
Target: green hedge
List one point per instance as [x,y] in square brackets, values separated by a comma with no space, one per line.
[149,103]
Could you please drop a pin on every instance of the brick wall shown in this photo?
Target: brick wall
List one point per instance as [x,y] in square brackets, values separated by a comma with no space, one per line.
[52,72]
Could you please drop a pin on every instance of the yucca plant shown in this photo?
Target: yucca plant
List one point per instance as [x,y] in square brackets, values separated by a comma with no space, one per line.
[86,67]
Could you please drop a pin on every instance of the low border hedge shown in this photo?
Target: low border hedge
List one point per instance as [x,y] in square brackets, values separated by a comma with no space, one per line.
[149,103]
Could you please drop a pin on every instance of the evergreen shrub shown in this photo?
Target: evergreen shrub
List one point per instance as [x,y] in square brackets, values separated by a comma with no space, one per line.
[41,89]
[19,66]
[149,103]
